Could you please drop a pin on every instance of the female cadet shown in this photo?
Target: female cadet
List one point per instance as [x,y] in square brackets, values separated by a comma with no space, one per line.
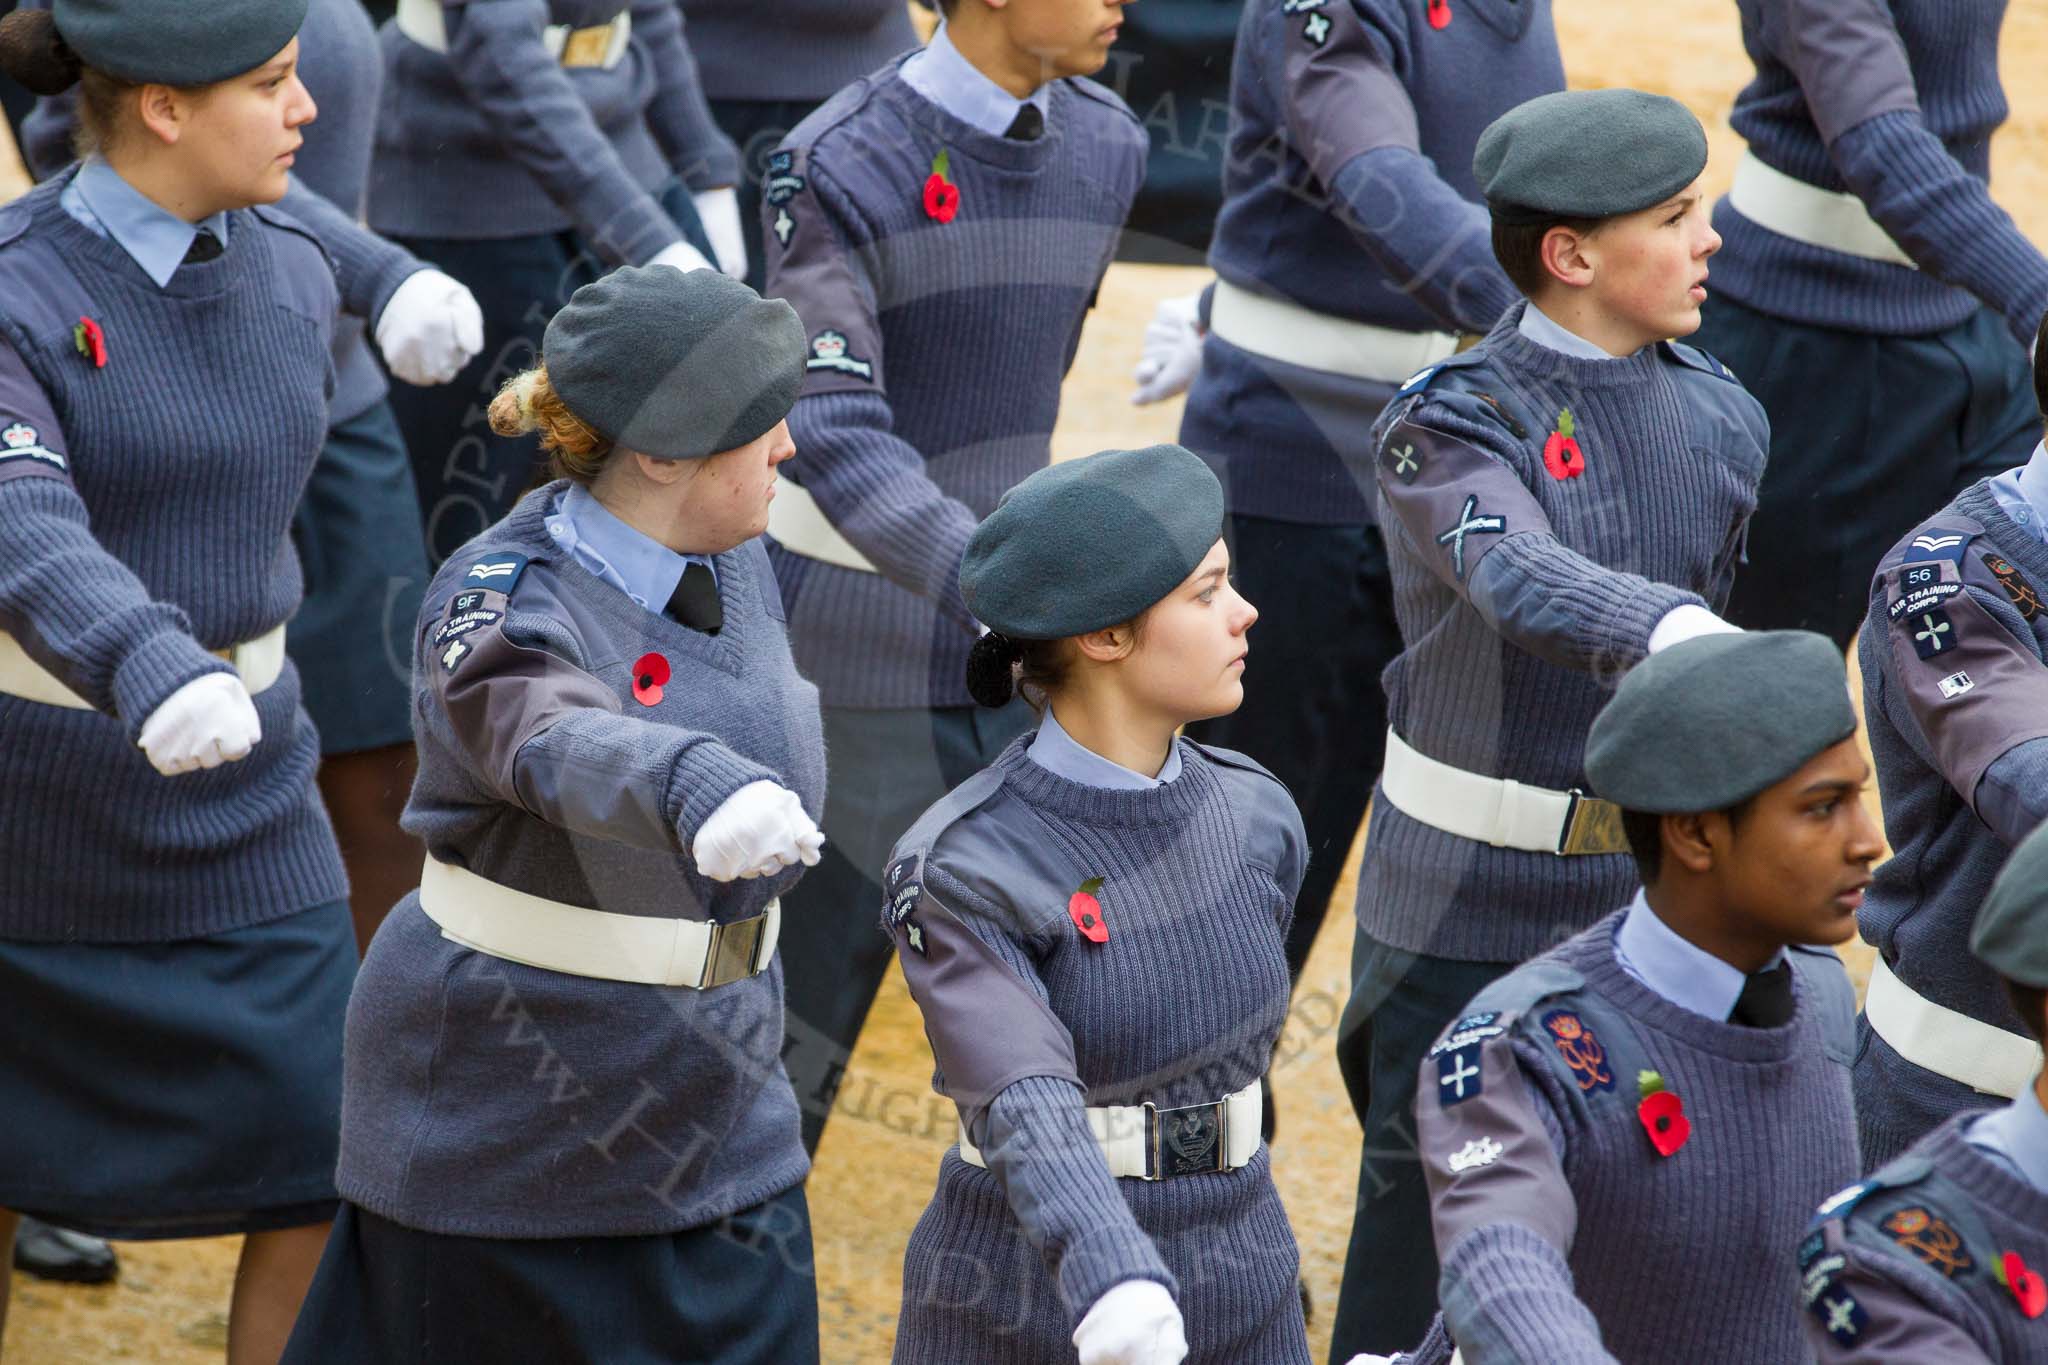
[1093,927]
[527,146]
[566,1131]
[175,953]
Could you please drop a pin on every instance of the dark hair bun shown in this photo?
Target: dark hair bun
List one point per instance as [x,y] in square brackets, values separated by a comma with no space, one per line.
[34,53]
[991,669]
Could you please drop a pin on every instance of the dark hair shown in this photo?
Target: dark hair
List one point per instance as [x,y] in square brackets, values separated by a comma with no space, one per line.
[2041,367]
[35,54]
[1645,833]
[2029,1001]
[999,667]
[1519,248]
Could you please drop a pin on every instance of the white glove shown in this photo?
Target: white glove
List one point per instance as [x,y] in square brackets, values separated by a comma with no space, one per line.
[719,211]
[1372,1360]
[430,328]
[1135,1323]
[207,722]
[1687,622]
[683,257]
[758,830]
[1173,350]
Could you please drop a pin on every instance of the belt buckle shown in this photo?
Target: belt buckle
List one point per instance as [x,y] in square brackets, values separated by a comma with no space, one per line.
[731,954]
[1192,1140]
[1591,825]
[587,46]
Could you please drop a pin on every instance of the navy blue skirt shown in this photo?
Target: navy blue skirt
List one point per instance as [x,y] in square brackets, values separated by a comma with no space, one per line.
[738,1292]
[187,1089]
[357,531]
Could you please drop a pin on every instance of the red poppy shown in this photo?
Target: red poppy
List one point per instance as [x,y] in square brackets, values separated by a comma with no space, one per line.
[1663,1116]
[91,342]
[1086,912]
[2026,1285]
[1562,458]
[1439,13]
[941,195]
[650,672]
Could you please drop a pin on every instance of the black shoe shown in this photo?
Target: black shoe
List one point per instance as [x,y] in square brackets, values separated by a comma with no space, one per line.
[60,1254]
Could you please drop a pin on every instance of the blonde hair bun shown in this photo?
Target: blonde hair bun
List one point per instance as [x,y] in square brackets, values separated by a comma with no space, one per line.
[511,412]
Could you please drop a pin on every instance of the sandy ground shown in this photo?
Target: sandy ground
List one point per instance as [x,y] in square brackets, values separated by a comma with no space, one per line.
[876,1167]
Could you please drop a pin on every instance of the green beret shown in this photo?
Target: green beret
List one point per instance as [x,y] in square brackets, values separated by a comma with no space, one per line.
[2012,928]
[177,42]
[1092,542]
[675,365]
[1587,154]
[1712,721]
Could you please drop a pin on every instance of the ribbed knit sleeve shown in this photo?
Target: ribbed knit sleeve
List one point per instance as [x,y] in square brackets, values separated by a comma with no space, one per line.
[1944,216]
[681,119]
[82,613]
[496,57]
[367,268]
[873,486]
[1507,1298]
[1432,242]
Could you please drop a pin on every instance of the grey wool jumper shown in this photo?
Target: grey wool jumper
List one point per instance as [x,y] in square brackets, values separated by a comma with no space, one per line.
[486,1098]
[798,50]
[495,138]
[1956,702]
[1030,1021]
[1894,103]
[145,510]
[1565,1234]
[937,354]
[1522,597]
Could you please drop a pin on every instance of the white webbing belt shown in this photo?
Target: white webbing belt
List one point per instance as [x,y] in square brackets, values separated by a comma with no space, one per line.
[799,524]
[1497,810]
[259,661]
[1136,1142]
[601,45]
[1982,1056]
[646,950]
[1287,332]
[1807,213]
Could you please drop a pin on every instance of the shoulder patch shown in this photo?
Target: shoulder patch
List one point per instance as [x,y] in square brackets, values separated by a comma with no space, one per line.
[902,885]
[1907,1170]
[20,441]
[1926,1233]
[1694,358]
[495,571]
[1581,1050]
[2026,599]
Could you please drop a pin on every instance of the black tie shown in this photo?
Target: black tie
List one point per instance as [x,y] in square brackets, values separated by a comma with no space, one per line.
[695,601]
[1766,999]
[205,246]
[1027,126]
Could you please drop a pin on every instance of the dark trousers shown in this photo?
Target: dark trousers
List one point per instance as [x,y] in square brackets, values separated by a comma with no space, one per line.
[1400,1002]
[888,767]
[468,476]
[1869,435]
[1313,710]
[756,127]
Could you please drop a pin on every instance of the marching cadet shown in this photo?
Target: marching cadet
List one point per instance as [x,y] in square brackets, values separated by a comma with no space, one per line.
[1940,1255]
[175,944]
[1092,927]
[768,63]
[1586,1114]
[1558,501]
[566,1134]
[528,146]
[1956,695]
[941,227]
[1871,293]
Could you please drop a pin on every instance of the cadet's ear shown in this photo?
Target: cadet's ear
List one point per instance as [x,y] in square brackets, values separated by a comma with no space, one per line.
[1689,841]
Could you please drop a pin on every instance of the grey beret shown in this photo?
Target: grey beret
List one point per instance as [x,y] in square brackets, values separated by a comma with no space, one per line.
[2012,928]
[1588,154]
[1714,720]
[1092,542]
[675,365]
[177,42]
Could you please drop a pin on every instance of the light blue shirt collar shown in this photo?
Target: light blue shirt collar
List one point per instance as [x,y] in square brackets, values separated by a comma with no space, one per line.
[152,235]
[1061,754]
[1552,335]
[2018,1134]
[636,564]
[2022,493]
[956,85]
[1681,971]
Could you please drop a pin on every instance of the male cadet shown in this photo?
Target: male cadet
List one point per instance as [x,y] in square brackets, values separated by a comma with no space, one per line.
[941,227]
[1872,294]
[1560,500]
[1956,697]
[1939,1257]
[1609,1129]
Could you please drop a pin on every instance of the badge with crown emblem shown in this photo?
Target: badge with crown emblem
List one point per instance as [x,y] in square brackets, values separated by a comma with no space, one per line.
[20,441]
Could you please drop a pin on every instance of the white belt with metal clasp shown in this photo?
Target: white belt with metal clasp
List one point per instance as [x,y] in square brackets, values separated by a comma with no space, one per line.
[259,661]
[600,45]
[1141,1142]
